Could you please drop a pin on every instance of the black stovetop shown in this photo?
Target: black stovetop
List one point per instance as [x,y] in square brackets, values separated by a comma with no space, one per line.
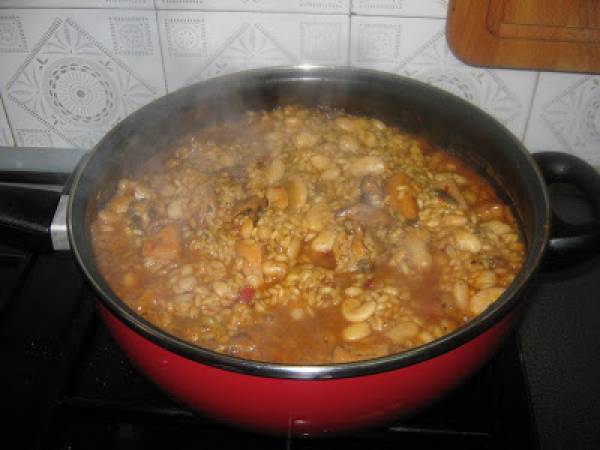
[69,386]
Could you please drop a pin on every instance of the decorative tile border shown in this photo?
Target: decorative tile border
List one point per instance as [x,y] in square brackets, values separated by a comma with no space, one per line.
[405,8]
[131,35]
[298,6]
[185,36]
[12,37]
[84,4]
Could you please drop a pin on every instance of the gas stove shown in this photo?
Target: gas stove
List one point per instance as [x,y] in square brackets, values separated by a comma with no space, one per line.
[67,385]
[74,388]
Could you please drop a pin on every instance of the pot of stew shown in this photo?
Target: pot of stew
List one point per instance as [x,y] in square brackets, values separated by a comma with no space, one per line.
[309,251]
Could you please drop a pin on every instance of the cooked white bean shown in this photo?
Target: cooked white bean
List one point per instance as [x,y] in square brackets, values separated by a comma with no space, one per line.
[467,241]
[454,220]
[317,217]
[275,172]
[496,227]
[348,143]
[275,269]
[297,192]
[175,209]
[418,253]
[185,284]
[355,311]
[346,123]
[356,331]
[485,279]
[246,228]
[324,241]
[277,197]
[366,165]
[353,291]
[484,298]
[460,291]
[221,289]
[331,174]
[320,162]
[293,248]
[306,139]
[402,332]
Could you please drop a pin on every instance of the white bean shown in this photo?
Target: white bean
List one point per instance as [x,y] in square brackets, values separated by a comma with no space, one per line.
[297,192]
[277,197]
[221,289]
[323,242]
[460,291]
[185,284]
[484,298]
[275,269]
[353,291]
[453,220]
[275,172]
[175,209]
[356,331]
[320,162]
[402,332]
[306,139]
[485,279]
[293,248]
[497,227]
[467,241]
[366,165]
[418,253]
[331,174]
[355,311]
[317,217]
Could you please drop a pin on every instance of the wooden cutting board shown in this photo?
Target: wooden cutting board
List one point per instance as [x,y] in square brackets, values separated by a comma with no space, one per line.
[562,35]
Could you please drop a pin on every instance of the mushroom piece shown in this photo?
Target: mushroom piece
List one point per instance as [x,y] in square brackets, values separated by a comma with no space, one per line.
[366,215]
[250,206]
[371,191]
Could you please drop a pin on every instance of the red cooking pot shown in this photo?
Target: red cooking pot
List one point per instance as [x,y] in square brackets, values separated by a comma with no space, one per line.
[320,399]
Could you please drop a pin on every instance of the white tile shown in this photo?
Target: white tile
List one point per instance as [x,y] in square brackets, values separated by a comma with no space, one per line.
[128,4]
[566,115]
[417,48]
[68,76]
[404,8]
[5,133]
[200,45]
[303,6]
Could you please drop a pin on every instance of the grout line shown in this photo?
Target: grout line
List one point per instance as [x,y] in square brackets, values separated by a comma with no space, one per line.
[162,56]
[8,121]
[531,102]
[349,46]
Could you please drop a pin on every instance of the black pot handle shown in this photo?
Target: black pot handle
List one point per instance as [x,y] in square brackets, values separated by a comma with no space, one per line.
[568,240]
[26,216]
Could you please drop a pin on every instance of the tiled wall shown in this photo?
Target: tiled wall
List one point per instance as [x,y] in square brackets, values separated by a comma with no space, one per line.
[69,70]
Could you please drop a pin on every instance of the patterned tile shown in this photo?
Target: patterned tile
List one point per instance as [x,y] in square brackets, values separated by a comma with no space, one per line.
[417,48]
[198,45]
[303,6]
[129,4]
[566,115]
[12,37]
[6,137]
[84,71]
[405,8]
